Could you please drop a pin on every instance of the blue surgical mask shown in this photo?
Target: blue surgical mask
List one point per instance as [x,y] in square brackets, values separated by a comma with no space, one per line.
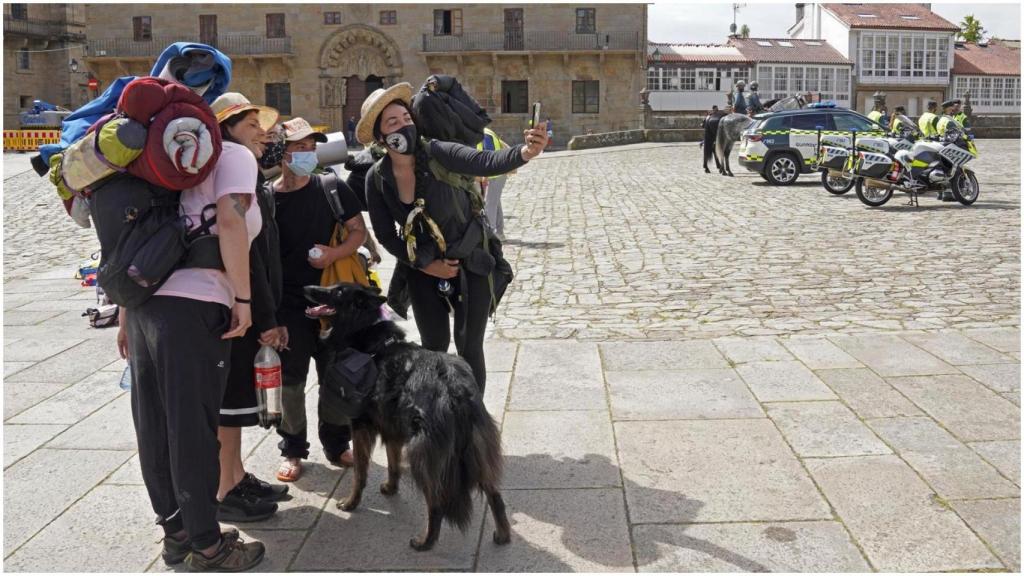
[303,163]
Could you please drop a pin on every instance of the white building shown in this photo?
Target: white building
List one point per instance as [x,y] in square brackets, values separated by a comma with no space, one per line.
[991,72]
[904,50]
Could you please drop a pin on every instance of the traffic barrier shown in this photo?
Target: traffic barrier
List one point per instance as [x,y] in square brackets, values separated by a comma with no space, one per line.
[29,140]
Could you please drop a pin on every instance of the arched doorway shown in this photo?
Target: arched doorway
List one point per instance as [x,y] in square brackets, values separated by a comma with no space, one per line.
[354,61]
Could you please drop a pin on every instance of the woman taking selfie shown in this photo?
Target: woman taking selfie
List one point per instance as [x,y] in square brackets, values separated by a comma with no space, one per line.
[456,265]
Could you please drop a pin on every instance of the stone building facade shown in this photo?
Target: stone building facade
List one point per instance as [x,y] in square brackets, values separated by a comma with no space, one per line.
[585,63]
[42,45]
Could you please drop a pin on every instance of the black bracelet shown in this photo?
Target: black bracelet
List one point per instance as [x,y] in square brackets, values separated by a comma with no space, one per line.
[242,300]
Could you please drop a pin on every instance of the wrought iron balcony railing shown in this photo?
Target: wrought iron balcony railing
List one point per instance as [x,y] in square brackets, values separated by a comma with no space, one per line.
[532,41]
[232,45]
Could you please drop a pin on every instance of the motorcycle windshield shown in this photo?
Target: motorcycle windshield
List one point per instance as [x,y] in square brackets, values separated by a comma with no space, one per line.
[910,124]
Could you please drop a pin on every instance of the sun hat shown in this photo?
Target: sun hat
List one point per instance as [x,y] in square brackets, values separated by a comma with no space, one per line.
[298,128]
[375,103]
[232,103]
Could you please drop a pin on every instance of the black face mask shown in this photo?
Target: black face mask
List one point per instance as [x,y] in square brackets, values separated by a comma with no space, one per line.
[402,141]
[273,154]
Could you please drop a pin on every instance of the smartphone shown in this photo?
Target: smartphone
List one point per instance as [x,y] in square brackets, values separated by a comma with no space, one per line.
[536,115]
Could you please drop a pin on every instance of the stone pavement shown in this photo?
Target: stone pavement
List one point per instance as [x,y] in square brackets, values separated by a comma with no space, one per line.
[845,399]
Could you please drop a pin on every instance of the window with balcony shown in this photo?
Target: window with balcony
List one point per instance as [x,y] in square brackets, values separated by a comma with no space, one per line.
[586,20]
[586,97]
[332,18]
[388,17]
[19,11]
[142,28]
[275,26]
[24,59]
[448,22]
[279,96]
[515,96]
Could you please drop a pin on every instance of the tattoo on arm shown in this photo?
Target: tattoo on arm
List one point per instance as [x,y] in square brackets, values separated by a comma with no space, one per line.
[241,203]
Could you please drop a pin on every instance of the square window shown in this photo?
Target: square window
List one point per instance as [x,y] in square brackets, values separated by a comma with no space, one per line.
[24,59]
[332,18]
[586,96]
[19,11]
[515,97]
[388,17]
[25,101]
[279,96]
[586,20]
[142,28]
[275,26]
[448,22]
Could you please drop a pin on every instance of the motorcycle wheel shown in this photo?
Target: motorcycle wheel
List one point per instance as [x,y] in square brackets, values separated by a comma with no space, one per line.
[965,187]
[872,196]
[836,186]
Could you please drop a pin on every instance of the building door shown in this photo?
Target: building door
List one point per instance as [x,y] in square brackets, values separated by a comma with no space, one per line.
[514,29]
[356,91]
[208,29]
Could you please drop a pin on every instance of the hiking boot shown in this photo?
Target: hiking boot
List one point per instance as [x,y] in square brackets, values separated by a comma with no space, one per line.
[239,506]
[253,486]
[233,555]
[175,551]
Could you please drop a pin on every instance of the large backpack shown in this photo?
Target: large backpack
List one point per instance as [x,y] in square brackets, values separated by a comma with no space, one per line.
[143,238]
[444,111]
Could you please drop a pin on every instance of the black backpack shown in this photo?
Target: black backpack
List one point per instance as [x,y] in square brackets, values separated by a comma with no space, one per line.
[444,111]
[143,238]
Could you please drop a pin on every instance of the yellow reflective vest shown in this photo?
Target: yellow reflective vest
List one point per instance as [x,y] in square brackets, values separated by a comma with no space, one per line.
[493,142]
[925,123]
[961,118]
[875,116]
[943,123]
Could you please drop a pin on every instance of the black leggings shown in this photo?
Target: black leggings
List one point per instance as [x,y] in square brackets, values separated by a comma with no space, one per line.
[431,313]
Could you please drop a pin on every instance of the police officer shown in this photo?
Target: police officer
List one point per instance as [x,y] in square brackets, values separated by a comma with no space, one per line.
[739,103]
[927,120]
[896,122]
[959,115]
[946,118]
[876,115]
[754,100]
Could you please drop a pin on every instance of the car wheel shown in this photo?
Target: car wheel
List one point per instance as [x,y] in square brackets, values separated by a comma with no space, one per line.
[782,169]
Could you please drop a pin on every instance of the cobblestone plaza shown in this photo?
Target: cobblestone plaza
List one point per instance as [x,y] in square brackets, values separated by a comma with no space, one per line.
[691,373]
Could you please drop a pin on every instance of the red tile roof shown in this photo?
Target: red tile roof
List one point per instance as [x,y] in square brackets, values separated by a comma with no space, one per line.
[801,52]
[890,16]
[996,59]
[696,53]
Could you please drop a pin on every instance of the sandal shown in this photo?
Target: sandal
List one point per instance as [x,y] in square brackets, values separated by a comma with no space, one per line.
[290,470]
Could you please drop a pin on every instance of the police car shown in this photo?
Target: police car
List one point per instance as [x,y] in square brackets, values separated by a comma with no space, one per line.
[782,145]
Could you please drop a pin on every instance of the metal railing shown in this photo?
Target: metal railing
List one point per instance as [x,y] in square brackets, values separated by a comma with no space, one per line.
[39,28]
[532,41]
[232,45]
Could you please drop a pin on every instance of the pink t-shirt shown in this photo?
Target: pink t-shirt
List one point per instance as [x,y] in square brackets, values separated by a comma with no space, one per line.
[235,173]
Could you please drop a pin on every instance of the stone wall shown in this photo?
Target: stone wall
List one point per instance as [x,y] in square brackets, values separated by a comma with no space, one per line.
[635,137]
[1007,126]
[324,55]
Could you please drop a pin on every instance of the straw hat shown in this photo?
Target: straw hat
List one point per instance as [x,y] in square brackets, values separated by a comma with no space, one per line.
[375,103]
[232,103]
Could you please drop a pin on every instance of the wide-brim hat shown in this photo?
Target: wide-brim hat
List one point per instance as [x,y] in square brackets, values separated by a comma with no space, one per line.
[232,103]
[375,103]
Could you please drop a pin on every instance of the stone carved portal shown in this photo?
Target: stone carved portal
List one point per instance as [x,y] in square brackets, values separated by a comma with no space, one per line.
[354,61]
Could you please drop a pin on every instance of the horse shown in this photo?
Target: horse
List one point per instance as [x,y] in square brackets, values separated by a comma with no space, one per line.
[731,128]
[710,133]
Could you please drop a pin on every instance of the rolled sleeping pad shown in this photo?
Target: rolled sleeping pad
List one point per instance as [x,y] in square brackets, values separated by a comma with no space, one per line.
[330,154]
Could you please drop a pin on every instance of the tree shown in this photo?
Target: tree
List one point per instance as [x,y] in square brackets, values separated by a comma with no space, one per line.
[745,31]
[971,29]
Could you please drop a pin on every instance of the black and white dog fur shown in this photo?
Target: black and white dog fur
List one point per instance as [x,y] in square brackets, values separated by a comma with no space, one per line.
[425,401]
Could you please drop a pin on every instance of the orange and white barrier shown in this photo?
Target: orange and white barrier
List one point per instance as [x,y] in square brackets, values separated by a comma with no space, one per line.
[29,140]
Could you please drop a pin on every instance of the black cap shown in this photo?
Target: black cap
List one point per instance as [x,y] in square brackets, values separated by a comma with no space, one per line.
[949,103]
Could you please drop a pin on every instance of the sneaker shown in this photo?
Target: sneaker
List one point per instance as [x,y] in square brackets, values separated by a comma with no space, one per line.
[233,555]
[253,486]
[175,551]
[239,506]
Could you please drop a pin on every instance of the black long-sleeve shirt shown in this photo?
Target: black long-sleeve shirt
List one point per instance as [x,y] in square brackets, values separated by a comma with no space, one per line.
[448,207]
[265,265]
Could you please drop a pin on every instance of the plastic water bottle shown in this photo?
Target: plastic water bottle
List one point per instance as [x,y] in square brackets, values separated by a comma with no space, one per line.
[126,378]
[268,386]
[445,288]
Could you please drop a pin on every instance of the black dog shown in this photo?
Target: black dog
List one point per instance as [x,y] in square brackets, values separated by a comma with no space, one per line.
[425,401]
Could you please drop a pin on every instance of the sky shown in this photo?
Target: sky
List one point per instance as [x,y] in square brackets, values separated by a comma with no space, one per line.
[680,22]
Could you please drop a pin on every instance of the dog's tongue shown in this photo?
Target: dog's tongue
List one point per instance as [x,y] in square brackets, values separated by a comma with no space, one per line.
[319,311]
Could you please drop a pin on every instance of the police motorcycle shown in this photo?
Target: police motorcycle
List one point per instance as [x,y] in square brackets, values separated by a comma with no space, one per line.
[926,166]
[837,154]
